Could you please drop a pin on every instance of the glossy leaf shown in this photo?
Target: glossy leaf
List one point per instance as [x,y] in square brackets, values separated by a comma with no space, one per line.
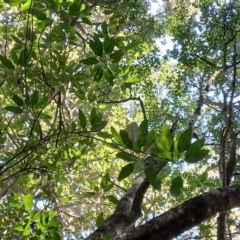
[112,199]
[82,118]
[75,6]
[162,149]
[138,166]
[99,126]
[164,172]
[196,156]
[96,46]
[166,138]
[126,141]
[184,140]
[125,171]
[177,184]
[14,2]
[28,202]
[89,61]
[195,147]
[34,98]
[26,5]
[116,136]
[39,14]
[104,28]
[203,177]
[7,63]
[100,220]
[105,180]
[108,45]
[17,100]
[109,75]
[150,174]
[14,109]
[125,156]
[117,55]
[98,75]
[93,115]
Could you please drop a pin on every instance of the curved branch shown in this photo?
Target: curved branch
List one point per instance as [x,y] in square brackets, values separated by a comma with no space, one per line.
[187,215]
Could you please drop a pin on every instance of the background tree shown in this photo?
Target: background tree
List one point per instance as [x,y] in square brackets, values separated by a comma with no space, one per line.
[103,134]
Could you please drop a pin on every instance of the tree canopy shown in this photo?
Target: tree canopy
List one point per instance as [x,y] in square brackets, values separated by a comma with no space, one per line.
[119,119]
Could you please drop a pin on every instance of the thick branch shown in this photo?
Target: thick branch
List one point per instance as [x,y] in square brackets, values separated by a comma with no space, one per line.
[128,210]
[124,217]
[187,215]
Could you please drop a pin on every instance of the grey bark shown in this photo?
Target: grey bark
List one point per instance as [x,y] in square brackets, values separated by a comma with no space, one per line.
[187,215]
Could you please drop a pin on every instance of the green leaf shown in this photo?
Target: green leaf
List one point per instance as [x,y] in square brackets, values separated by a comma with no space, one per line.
[75,6]
[104,28]
[194,157]
[28,202]
[184,140]
[125,171]
[117,55]
[105,180]
[86,21]
[112,199]
[126,141]
[14,109]
[82,118]
[98,75]
[25,57]
[195,147]
[8,64]
[109,75]
[150,174]
[45,116]
[14,57]
[144,133]
[96,46]
[40,15]
[42,103]
[133,132]
[108,44]
[26,6]
[162,149]
[100,220]
[144,128]
[138,166]
[166,138]
[14,2]
[34,98]
[99,126]
[177,184]
[89,61]
[53,222]
[165,172]
[88,194]
[19,228]
[104,135]
[93,115]
[17,100]
[111,145]
[203,177]
[116,136]
[108,187]
[126,156]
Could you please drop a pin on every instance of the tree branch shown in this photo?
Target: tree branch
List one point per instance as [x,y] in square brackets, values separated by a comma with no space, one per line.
[187,215]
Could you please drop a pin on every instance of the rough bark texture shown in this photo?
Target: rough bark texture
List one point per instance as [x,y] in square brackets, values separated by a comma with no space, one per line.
[187,215]
[128,210]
